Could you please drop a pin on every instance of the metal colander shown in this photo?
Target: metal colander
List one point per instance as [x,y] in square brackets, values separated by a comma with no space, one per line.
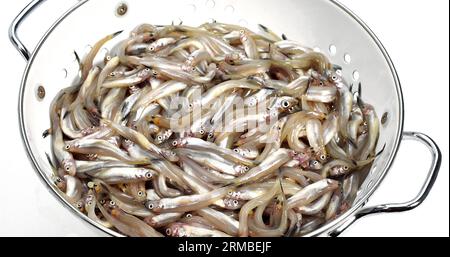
[326,25]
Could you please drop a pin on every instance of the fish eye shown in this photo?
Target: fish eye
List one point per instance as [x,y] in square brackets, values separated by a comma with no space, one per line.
[148,175]
[246,168]
[236,202]
[169,231]
[346,168]
[285,104]
[102,201]
[236,150]
[189,216]
[112,203]
[89,203]
[202,132]
[316,163]
[334,77]
[321,84]
[147,70]
[140,193]
[230,193]
[160,138]
[323,157]
[150,206]
[152,48]
[67,147]
[67,168]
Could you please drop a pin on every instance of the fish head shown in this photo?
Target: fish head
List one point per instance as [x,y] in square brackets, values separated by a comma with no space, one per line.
[176,230]
[69,166]
[315,165]
[232,204]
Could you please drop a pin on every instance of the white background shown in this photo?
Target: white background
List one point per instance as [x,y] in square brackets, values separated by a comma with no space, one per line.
[415,34]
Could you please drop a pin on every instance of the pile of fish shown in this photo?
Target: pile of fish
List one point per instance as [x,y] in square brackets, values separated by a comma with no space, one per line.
[210,131]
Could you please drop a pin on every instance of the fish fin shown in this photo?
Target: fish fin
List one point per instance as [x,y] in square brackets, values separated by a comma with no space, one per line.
[381,152]
[66,114]
[337,67]
[352,143]
[78,59]
[125,118]
[264,27]
[47,133]
[360,89]
[116,34]
[360,101]
[50,161]
[125,106]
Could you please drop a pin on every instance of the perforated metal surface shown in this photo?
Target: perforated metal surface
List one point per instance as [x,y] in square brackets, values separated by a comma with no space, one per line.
[324,25]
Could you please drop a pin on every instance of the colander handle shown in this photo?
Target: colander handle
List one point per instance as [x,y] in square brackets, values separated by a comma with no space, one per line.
[419,199]
[16,24]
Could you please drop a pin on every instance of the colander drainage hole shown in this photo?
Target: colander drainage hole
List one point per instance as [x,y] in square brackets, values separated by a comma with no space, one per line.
[229,9]
[371,183]
[64,73]
[210,3]
[192,8]
[333,50]
[356,75]
[243,22]
[347,58]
